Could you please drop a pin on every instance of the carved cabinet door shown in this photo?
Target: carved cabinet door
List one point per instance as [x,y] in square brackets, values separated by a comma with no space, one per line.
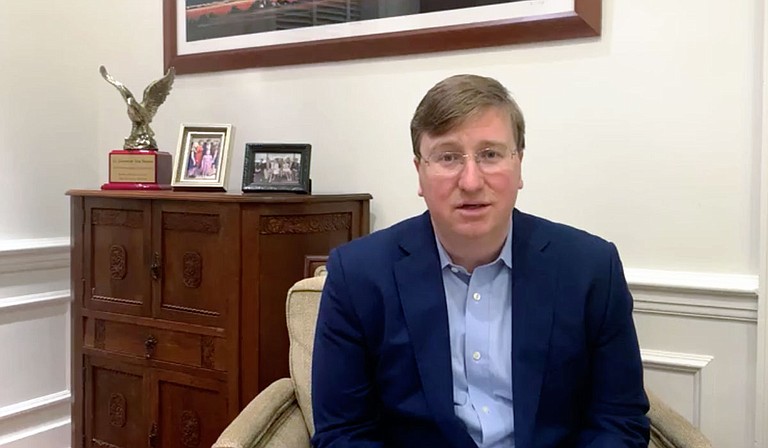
[117,258]
[116,404]
[198,245]
[191,410]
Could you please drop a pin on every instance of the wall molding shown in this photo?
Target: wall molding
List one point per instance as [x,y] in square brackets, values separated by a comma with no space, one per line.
[36,404]
[34,417]
[35,300]
[695,294]
[34,255]
[689,363]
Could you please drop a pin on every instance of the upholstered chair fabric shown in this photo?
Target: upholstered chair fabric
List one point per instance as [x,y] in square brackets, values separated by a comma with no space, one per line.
[281,415]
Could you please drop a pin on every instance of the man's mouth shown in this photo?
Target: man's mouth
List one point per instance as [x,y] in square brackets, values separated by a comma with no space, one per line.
[472,206]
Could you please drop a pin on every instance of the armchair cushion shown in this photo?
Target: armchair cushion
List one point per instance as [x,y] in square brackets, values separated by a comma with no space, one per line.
[301,311]
[271,419]
[670,429]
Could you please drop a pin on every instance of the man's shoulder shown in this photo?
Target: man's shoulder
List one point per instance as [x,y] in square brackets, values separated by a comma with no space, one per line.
[564,235]
[387,239]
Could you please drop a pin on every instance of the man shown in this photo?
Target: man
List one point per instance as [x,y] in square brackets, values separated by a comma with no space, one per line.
[475,324]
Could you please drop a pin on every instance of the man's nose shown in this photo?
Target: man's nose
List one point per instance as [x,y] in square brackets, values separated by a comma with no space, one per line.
[471,178]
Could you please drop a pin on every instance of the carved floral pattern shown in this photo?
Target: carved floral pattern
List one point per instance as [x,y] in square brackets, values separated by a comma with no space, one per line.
[305,224]
[117,410]
[193,269]
[117,262]
[191,222]
[190,429]
[207,352]
[99,334]
[121,218]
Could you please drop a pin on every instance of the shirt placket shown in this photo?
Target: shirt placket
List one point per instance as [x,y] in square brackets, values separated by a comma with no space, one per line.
[478,344]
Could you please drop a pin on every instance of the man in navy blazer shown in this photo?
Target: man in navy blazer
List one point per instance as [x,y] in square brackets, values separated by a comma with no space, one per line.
[475,324]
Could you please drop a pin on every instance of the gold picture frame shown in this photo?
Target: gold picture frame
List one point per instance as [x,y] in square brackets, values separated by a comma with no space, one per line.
[202,157]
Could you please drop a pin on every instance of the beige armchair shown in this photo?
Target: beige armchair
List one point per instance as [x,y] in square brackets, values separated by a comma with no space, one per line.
[281,415]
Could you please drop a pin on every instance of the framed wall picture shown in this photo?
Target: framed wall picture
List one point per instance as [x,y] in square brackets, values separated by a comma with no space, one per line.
[277,167]
[202,156]
[212,35]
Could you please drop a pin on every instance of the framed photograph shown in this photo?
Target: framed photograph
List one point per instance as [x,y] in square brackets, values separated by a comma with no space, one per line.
[277,167]
[212,35]
[202,156]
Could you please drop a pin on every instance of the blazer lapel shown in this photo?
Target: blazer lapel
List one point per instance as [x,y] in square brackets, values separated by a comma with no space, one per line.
[534,280]
[420,286]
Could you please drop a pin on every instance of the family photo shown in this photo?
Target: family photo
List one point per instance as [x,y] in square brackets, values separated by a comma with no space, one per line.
[203,157]
[276,168]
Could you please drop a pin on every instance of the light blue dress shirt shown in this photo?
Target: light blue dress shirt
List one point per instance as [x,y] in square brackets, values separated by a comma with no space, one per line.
[480,325]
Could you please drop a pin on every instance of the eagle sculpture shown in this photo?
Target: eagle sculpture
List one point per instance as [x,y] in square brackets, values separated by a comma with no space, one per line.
[141,113]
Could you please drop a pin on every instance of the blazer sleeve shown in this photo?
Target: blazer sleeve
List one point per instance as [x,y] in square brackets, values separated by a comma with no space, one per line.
[618,405]
[343,403]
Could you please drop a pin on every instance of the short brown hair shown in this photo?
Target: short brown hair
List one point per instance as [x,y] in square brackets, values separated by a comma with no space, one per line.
[454,99]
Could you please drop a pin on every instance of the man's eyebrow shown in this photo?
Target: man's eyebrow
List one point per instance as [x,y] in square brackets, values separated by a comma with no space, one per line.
[492,143]
[448,145]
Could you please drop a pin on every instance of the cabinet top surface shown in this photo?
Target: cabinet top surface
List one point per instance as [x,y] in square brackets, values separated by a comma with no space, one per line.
[219,197]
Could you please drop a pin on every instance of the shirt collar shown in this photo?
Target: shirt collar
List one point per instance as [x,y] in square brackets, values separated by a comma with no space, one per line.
[505,256]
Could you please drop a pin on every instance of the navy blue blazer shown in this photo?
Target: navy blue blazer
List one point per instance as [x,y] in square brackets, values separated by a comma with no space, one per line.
[381,368]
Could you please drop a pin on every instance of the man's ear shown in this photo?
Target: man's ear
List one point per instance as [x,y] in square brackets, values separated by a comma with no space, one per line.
[416,165]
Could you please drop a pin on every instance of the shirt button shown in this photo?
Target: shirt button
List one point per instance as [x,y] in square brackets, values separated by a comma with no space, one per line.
[455,270]
[476,356]
[486,410]
[476,296]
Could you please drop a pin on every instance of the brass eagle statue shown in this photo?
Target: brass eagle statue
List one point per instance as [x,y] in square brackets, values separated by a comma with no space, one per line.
[141,113]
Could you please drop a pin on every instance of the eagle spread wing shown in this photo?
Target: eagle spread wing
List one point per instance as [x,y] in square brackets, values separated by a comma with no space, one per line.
[156,93]
[118,85]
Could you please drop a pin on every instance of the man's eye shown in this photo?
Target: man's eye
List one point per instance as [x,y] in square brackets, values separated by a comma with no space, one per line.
[448,157]
[491,154]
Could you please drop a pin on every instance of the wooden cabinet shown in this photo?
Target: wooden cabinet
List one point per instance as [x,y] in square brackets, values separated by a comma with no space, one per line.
[179,305]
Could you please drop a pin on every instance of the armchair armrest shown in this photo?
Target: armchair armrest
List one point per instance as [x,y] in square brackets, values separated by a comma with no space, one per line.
[272,419]
[670,429]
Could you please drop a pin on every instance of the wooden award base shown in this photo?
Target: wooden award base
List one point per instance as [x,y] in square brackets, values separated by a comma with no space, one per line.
[139,169]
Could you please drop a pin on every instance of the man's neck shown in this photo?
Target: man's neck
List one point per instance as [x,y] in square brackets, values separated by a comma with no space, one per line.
[474,252]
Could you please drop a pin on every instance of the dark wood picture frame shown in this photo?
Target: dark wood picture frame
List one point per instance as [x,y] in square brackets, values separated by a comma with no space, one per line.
[583,21]
[301,184]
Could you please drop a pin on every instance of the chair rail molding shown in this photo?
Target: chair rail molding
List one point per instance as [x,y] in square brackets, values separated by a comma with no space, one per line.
[695,294]
[34,255]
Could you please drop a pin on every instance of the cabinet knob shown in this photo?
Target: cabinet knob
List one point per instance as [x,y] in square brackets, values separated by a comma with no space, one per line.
[149,346]
[154,270]
[153,435]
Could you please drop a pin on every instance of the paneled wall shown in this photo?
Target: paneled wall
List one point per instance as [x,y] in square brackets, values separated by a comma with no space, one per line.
[34,343]
[698,339]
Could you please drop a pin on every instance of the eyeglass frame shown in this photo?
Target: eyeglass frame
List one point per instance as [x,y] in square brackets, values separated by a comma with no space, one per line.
[510,153]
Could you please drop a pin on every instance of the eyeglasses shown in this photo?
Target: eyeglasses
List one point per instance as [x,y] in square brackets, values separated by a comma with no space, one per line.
[489,160]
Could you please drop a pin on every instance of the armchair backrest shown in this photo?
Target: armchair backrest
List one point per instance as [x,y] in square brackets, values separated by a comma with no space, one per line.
[301,315]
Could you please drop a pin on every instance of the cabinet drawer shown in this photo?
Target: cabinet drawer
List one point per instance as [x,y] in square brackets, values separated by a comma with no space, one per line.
[139,341]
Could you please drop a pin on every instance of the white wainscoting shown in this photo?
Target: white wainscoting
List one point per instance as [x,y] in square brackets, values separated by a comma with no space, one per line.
[698,337]
[35,343]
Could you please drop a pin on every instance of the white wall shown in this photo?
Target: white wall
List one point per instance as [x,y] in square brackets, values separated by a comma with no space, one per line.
[48,115]
[648,136]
